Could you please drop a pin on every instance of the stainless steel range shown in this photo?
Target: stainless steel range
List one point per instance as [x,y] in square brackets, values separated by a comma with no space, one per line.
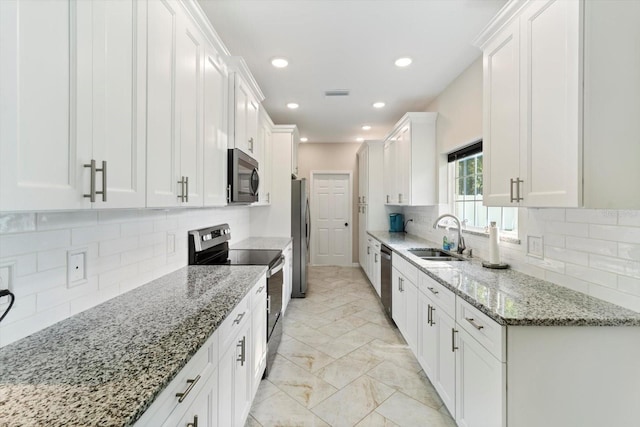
[210,246]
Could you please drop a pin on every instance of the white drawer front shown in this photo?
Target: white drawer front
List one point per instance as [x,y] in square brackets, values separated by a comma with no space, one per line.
[233,323]
[486,331]
[259,291]
[438,294]
[407,269]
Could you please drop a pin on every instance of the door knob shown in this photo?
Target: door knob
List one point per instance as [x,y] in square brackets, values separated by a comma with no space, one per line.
[346,224]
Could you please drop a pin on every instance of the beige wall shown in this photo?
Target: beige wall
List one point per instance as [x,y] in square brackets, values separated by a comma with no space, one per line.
[333,157]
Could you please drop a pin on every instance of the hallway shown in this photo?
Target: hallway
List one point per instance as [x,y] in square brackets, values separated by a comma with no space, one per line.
[342,363]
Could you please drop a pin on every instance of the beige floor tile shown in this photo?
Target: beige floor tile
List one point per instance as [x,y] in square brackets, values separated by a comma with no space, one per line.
[346,369]
[281,410]
[299,384]
[265,391]
[305,356]
[341,312]
[342,326]
[383,333]
[408,412]
[376,420]
[399,354]
[344,344]
[251,422]
[306,334]
[348,406]
[375,315]
[413,384]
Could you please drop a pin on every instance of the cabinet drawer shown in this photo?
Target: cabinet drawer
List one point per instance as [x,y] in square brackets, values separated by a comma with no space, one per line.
[409,270]
[487,332]
[234,322]
[438,293]
[259,291]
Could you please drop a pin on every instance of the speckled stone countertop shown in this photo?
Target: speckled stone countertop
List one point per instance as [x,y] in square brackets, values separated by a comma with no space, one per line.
[510,297]
[106,365]
[278,243]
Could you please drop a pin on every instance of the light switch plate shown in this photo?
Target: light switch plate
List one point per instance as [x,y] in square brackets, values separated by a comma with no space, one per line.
[535,246]
[76,267]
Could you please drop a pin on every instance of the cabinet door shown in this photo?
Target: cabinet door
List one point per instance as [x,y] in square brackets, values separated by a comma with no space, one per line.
[550,110]
[377,271]
[163,168]
[39,146]
[363,175]
[119,100]
[479,385]
[363,240]
[215,87]
[242,98]
[190,53]
[263,155]
[501,151]
[398,306]
[253,108]
[403,166]
[259,341]
[445,381]
[203,410]
[242,395]
[411,320]
[427,338]
[389,169]
[294,154]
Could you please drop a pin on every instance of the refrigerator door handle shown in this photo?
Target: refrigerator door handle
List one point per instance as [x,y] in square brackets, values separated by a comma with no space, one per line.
[308,224]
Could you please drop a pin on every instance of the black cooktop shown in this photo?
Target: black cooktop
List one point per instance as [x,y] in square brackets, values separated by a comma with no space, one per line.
[253,257]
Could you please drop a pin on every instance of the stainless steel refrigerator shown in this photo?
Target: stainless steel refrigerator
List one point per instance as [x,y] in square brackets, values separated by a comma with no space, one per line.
[301,233]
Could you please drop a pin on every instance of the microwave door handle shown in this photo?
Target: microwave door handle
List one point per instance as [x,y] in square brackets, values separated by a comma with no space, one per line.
[254,173]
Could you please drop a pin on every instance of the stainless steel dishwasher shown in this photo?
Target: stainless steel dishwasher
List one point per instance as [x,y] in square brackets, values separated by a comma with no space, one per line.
[385,279]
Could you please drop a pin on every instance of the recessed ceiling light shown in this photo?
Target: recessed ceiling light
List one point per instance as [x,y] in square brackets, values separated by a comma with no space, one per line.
[304,139]
[403,62]
[378,104]
[366,127]
[292,105]
[279,62]
[360,139]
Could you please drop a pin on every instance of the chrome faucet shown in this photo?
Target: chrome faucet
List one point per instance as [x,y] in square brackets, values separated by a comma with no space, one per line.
[461,247]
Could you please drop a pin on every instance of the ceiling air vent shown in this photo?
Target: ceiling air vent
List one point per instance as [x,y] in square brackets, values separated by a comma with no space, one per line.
[336,92]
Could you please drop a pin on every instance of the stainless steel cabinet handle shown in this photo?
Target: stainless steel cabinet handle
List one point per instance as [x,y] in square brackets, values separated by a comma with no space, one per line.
[375,257]
[239,318]
[228,193]
[387,198]
[92,184]
[363,199]
[181,195]
[518,182]
[433,291]
[428,314]
[363,209]
[242,345]
[453,340]
[186,191]
[475,325]
[104,181]
[183,395]
[194,423]
[433,308]
[268,197]
[269,304]
[259,289]
[399,197]
[359,199]
[251,144]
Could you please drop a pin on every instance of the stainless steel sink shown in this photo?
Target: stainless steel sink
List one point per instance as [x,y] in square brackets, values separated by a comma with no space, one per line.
[434,254]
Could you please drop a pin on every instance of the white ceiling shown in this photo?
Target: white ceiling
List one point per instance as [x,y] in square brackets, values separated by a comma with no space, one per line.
[350,44]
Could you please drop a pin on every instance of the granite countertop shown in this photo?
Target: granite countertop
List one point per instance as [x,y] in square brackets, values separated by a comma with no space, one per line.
[510,297]
[278,243]
[106,365]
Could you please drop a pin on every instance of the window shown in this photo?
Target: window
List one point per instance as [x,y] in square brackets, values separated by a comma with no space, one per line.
[466,176]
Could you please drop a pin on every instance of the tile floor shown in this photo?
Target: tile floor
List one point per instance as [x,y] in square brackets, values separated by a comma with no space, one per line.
[342,363]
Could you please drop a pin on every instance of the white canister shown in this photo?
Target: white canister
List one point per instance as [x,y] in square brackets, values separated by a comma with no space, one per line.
[494,249]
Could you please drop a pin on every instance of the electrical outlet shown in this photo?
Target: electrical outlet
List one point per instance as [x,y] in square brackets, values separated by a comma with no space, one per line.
[171,243]
[76,267]
[7,272]
[535,246]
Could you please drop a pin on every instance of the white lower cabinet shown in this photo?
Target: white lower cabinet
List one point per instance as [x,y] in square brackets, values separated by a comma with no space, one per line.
[287,274]
[217,386]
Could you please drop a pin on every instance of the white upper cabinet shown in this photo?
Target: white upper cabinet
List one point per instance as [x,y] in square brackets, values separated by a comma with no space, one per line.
[215,123]
[175,147]
[89,105]
[263,153]
[244,106]
[410,161]
[559,123]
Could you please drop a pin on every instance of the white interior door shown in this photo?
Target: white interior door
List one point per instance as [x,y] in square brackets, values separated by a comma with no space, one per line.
[331,224]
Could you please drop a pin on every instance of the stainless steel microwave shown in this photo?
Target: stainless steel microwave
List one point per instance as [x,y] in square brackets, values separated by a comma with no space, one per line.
[243,178]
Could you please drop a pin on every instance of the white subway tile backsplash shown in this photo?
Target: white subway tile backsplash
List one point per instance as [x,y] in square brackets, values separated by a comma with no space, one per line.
[566,228]
[631,218]
[629,285]
[566,255]
[25,264]
[567,281]
[629,251]
[91,300]
[615,265]
[592,216]
[550,214]
[114,277]
[165,224]
[25,309]
[136,255]
[98,233]
[119,216]
[594,246]
[24,243]
[62,294]
[136,228]
[587,274]
[614,296]
[115,246]
[615,233]
[547,264]
[103,264]
[52,259]
[557,240]
[60,220]
[155,238]
[39,282]
[17,222]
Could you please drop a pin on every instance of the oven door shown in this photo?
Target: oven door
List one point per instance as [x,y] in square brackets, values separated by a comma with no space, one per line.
[243,176]
[275,280]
